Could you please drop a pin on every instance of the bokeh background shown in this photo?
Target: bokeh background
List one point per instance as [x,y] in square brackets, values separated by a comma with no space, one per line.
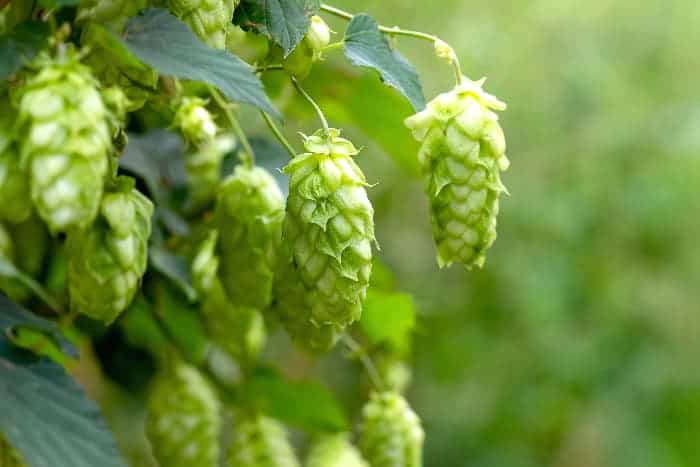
[578,344]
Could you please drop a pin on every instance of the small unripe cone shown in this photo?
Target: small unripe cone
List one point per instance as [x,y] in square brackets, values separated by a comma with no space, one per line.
[65,142]
[327,239]
[15,202]
[9,457]
[195,121]
[335,451]
[249,215]
[184,418]
[208,19]
[108,259]
[462,155]
[203,166]
[260,441]
[391,433]
[111,13]
[309,50]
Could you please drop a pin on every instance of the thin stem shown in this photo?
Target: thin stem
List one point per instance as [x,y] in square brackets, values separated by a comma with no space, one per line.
[249,157]
[357,350]
[334,46]
[278,134]
[275,67]
[313,103]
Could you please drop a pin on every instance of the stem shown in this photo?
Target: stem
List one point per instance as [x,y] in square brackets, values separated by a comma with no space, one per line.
[262,69]
[397,31]
[313,103]
[357,350]
[278,134]
[249,158]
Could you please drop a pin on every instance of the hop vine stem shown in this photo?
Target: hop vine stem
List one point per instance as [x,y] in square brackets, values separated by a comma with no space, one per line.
[278,134]
[249,158]
[358,351]
[313,103]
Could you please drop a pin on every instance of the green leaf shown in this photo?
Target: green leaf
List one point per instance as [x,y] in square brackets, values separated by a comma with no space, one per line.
[388,318]
[284,21]
[45,414]
[175,268]
[21,46]
[366,46]
[304,404]
[167,45]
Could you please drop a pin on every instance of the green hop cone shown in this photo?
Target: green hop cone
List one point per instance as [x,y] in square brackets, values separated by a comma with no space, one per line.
[334,451]
[203,167]
[183,420]
[208,19]
[108,259]
[462,155]
[111,13]
[15,202]
[65,142]
[9,457]
[194,121]
[391,433]
[260,441]
[309,50]
[327,242]
[249,216]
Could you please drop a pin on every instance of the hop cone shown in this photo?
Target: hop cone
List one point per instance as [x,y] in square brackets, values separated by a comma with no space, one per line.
[65,142]
[261,442]
[335,451]
[309,50]
[203,167]
[15,202]
[249,215]
[462,155]
[391,433]
[238,330]
[9,457]
[112,13]
[208,19]
[184,419]
[327,241]
[195,121]
[108,259]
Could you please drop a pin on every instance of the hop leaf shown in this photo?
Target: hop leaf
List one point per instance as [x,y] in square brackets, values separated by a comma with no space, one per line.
[184,418]
[195,121]
[261,442]
[335,451]
[249,215]
[108,259]
[327,242]
[65,142]
[15,202]
[9,457]
[203,167]
[462,155]
[208,19]
[391,433]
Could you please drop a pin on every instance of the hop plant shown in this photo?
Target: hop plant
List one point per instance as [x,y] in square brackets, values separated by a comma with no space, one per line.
[249,215]
[194,121]
[112,13]
[327,242]
[15,202]
[261,442]
[9,457]
[108,259]
[203,166]
[309,50]
[184,418]
[65,142]
[462,155]
[391,433]
[208,19]
[335,451]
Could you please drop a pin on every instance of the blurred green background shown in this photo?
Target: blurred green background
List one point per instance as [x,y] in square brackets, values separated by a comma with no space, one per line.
[577,345]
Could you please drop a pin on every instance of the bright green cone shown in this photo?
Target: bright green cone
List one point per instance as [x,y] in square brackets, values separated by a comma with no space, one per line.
[462,155]
[65,142]
[261,442]
[203,166]
[335,451]
[249,215]
[194,121]
[208,19]
[108,259]
[184,418]
[9,457]
[327,240]
[391,433]
[15,202]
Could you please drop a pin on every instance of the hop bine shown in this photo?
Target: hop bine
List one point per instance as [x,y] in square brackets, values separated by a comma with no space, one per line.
[327,242]
[462,155]
[260,441]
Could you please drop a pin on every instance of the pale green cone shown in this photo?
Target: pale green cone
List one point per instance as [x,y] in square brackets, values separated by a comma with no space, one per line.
[111,13]
[335,450]
[208,19]
[9,457]
[327,239]
[65,142]
[260,441]
[183,420]
[108,259]
[203,167]
[15,202]
[249,215]
[391,433]
[309,50]
[194,121]
[462,155]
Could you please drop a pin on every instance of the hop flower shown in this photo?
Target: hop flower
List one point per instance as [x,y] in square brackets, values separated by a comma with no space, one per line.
[65,142]
[335,451]
[249,215]
[203,166]
[208,19]
[391,433]
[327,241]
[112,13]
[9,457]
[261,442]
[184,418]
[462,155]
[15,202]
[195,121]
[309,50]
[108,259]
